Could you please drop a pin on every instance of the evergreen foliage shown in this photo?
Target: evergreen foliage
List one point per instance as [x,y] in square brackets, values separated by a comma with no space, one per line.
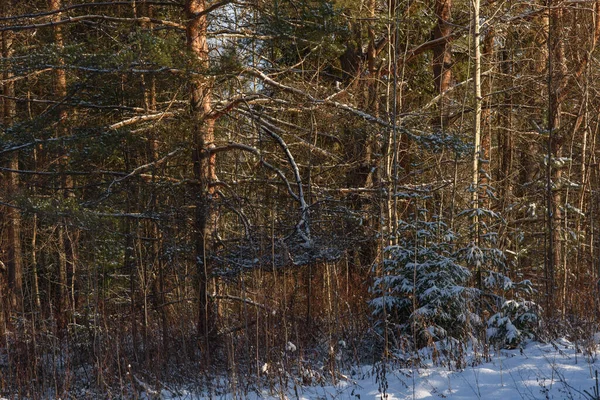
[429,291]
[423,287]
[192,185]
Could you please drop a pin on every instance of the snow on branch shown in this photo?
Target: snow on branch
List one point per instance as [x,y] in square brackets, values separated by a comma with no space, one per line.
[124,215]
[76,104]
[303,142]
[18,78]
[141,118]
[327,101]
[303,205]
[240,299]
[222,108]
[297,197]
[144,167]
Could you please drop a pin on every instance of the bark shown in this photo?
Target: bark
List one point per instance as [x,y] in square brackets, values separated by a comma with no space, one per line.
[477,155]
[61,289]
[158,282]
[557,85]
[363,149]
[442,59]
[505,140]
[487,55]
[204,167]
[14,262]
[372,105]
[67,248]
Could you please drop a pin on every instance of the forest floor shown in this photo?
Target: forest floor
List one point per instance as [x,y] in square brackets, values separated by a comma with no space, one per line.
[557,370]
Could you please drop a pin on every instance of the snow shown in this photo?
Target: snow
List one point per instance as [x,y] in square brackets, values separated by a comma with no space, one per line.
[291,347]
[555,370]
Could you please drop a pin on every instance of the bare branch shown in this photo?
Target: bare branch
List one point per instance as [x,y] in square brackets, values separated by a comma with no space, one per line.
[144,167]
[125,215]
[221,108]
[312,147]
[303,206]
[18,78]
[239,146]
[213,7]
[55,173]
[237,298]
[78,104]
[346,107]
[85,5]
[69,20]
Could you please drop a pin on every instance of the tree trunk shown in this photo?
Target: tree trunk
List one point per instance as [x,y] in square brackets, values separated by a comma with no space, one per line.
[204,167]
[486,124]
[14,262]
[477,154]
[442,60]
[68,249]
[557,83]
[505,140]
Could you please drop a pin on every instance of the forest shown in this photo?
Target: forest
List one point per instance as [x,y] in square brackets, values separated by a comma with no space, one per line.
[193,189]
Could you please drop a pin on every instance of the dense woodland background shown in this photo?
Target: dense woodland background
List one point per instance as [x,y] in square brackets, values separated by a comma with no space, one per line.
[193,188]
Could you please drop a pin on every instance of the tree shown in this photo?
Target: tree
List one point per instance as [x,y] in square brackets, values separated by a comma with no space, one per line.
[204,161]
[442,58]
[223,177]
[13,213]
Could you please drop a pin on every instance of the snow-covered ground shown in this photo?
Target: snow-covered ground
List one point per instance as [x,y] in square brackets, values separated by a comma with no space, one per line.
[538,371]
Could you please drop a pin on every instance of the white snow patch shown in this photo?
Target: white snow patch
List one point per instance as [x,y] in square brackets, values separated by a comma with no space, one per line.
[539,370]
[291,347]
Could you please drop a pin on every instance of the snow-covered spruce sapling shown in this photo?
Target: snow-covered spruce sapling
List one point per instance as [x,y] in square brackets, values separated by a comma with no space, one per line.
[430,292]
[512,320]
[422,286]
[515,322]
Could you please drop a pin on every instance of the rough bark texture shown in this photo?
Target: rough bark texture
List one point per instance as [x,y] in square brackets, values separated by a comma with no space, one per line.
[486,122]
[505,140]
[204,165]
[66,265]
[14,262]
[442,58]
[557,85]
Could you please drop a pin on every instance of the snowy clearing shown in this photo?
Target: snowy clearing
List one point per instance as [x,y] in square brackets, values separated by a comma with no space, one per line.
[538,371]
